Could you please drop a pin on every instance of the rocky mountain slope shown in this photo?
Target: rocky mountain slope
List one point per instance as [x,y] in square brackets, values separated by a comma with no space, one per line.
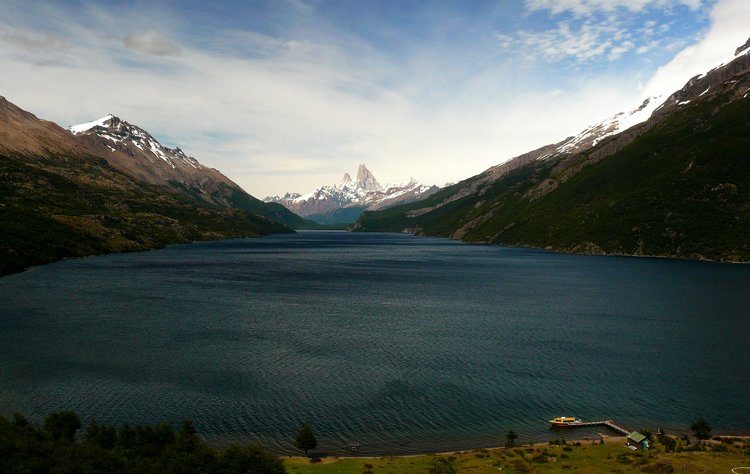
[60,197]
[344,202]
[133,151]
[674,183]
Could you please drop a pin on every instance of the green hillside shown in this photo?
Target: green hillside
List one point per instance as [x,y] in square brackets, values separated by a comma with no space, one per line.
[61,206]
[272,210]
[680,189]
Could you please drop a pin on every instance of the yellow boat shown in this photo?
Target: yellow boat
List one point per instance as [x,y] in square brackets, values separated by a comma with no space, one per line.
[565,421]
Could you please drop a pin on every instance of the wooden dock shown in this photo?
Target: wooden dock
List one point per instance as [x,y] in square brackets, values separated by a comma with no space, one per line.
[608,423]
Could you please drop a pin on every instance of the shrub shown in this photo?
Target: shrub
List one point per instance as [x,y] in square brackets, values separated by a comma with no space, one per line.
[62,424]
[104,437]
[701,429]
[443,466]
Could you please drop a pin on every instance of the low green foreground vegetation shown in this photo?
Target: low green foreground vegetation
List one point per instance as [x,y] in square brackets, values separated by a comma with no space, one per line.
[612,457]
[62,445]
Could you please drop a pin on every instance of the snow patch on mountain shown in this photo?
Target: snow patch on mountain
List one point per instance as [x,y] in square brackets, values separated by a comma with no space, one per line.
[620,122]
[80,128]
[120,132]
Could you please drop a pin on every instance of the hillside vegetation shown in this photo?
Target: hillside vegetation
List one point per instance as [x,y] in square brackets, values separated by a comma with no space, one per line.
[680,189]
[61,445]
[59,206]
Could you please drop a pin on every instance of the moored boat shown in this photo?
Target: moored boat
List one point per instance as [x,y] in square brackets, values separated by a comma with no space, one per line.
[565,421]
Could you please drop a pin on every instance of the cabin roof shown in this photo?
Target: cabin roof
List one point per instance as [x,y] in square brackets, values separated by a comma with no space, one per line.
[636,436]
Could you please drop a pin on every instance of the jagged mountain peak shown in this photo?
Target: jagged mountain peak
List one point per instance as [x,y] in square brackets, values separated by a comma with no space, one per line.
[123,136]
[105,121]
[351,197]
[366,180]
[745,48]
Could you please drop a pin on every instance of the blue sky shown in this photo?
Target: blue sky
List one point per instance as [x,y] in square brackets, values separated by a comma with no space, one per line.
[287,95]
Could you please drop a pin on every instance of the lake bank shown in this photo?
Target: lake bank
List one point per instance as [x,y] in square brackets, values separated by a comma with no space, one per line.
[612,456]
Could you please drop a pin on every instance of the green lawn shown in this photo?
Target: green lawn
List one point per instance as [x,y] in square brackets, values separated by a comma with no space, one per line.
[612,457]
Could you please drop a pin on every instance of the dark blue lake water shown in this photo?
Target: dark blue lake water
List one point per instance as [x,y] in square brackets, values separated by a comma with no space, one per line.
[405,344]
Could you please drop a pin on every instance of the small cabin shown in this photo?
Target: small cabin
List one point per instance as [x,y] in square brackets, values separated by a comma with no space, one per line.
[639,441]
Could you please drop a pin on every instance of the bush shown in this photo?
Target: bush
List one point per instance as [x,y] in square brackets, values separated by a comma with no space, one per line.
[443,466]
[62,425]
[249,459]
[668,442]
[104,437]
[701,429]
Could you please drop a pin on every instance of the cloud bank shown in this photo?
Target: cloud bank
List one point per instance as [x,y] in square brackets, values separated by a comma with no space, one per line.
[292,107]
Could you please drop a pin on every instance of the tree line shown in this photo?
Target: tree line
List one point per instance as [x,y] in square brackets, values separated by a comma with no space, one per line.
[60,445]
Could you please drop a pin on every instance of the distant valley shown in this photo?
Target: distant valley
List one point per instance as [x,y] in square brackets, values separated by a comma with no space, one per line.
[344,202]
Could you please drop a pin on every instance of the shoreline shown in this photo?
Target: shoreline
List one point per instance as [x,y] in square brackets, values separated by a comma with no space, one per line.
[602,254]
[136,250]
[562,252]
[581,441]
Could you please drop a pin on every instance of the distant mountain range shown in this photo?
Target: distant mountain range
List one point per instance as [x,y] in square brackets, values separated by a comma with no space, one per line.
[670,178]
[109,186]
[344,202]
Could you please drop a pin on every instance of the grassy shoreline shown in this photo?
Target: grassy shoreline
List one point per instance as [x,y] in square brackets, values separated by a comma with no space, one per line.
[61,444]
[582,456]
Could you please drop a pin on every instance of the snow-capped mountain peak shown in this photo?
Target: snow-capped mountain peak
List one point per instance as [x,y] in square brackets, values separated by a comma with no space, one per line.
[80,128]
[120,135]
[354,195]
[621,121]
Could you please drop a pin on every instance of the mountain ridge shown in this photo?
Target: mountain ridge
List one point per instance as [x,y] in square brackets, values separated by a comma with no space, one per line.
[134,151]
[59,198]
[650,189]
[343,202]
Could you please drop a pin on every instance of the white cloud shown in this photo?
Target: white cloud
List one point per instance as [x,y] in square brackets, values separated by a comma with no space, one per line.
[300,111]
[599,29]
[151,42]
[582,43]
[590,7]
[730,28]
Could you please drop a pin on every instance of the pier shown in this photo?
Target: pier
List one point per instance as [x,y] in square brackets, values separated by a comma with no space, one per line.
[608,423]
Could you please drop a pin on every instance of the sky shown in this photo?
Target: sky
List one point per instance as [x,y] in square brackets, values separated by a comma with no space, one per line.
[287,95]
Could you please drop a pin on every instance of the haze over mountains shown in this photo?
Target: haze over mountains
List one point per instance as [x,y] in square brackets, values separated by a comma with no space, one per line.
[671,178]
[344,202]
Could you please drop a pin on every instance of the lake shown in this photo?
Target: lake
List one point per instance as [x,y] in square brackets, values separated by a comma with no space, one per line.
[405,344]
